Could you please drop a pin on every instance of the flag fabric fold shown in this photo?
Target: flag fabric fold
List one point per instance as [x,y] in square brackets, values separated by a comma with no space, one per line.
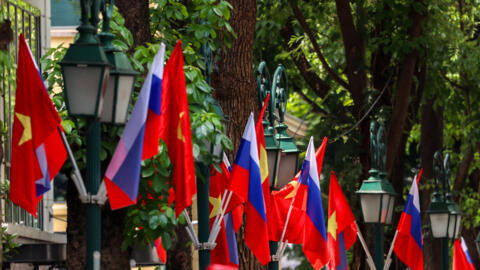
[175,130]
[262,158]
[246,184]
[408,245]
[123,173]
[342,230]
[38,152]
[225,252]
[281,201]
[314,233]
[160,250]
[461,256]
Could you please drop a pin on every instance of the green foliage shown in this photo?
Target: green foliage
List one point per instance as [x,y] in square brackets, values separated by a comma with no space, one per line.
[153,216]
[8,243]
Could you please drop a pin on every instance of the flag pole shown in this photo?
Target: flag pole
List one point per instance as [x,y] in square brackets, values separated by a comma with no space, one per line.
[389,256]
[76,176]
[282,244]
[215,222]
[222,214]
[370,262]
[190,230]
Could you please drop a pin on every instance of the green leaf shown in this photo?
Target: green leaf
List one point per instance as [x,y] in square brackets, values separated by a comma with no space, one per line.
[68,126]
[166,240]
[147,172]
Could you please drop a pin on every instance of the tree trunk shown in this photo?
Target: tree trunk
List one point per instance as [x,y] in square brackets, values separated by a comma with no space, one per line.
[137,19]
[179,256]
[112,228]
[430,141]
[235,86]
[76,230]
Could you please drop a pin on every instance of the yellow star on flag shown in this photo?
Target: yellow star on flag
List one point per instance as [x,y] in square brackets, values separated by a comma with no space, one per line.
[332,225]
[27,128]
[179,128]
[216,205]
[292,193]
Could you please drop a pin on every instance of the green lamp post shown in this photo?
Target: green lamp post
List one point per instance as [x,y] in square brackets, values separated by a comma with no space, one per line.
[444,214]
[282,153]
[377,196]
[86,70]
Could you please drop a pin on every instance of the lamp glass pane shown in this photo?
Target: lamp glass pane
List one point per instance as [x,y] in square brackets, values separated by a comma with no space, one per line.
[454,226]
[390,199]
[108,101]
[124,91]
[370,207]
[287,168]
[439,223]
[82,86]
[272,157]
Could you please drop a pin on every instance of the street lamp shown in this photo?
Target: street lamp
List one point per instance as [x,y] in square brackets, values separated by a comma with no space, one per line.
[122,75]
[444,214]
[86,71]
[282,152]
[289,156]
[377,196]
[271,144]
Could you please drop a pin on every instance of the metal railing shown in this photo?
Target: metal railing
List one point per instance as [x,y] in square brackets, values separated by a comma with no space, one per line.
[24,19]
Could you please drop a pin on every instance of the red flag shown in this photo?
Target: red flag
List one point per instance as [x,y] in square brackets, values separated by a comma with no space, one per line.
[38,152]
[175,129]
[281,201]
[225,252]
[342,230]
[161,252]
[461,256]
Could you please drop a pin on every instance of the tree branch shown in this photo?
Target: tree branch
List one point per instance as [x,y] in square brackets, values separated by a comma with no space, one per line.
[404,89]
[462,173]
[313,80]
[301,19]
[315,107]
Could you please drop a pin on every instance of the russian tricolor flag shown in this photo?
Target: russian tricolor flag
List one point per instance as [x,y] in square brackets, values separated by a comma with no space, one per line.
[314,234]
[246,183]
[123,173]
[409,243]
[461,256]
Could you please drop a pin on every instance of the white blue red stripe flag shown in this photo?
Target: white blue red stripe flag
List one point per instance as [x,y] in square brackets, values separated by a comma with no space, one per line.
[246,183]
[314,234]
[461,256]
[409,242]
[123,173]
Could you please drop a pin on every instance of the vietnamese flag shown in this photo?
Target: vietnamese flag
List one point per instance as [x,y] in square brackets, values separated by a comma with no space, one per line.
[225,252]
[342,230]
[175,129]
[38,152]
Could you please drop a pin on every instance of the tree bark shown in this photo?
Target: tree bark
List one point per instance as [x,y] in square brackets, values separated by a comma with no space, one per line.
[430,141]
[137,19]
[354,46]
[111,239]
[404,89]
[235,90]
[179,256]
